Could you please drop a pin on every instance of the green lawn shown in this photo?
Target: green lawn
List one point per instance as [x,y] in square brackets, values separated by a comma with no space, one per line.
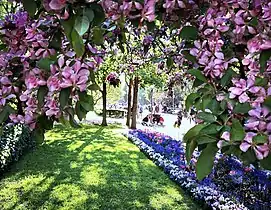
[89,168]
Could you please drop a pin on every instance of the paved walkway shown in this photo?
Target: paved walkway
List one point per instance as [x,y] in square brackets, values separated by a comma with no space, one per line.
[168,128]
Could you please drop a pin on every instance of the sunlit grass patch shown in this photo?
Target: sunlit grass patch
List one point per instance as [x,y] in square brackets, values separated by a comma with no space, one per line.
[88,168]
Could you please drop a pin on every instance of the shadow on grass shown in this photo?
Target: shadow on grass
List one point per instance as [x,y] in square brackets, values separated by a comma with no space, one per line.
[88,168]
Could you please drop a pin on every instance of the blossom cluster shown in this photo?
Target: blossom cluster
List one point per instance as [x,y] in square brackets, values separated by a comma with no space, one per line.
[216,190]
[233,36]
[32,75]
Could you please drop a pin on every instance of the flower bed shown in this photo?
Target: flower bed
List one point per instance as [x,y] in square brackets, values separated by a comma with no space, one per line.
[230,185]
[14,141]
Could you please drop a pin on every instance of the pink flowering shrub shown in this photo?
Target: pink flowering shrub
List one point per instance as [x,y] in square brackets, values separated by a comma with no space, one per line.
[49,61]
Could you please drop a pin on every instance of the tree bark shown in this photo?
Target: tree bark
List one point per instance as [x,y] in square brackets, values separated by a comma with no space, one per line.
[104,122]
[129,102]
[134,109]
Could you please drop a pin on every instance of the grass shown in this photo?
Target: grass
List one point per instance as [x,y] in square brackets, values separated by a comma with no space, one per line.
[88,168]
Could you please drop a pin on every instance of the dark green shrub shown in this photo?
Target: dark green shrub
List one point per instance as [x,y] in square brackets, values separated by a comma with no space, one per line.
[14,141]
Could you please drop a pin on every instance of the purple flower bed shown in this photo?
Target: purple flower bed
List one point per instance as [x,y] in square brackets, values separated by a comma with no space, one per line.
[230,185]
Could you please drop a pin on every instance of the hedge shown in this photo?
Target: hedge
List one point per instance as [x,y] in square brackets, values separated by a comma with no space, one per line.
[14,142]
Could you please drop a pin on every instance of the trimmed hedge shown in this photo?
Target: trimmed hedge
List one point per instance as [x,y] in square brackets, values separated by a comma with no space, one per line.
[14,141]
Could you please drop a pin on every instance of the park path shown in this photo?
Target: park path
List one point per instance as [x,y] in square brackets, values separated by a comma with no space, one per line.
[168,129]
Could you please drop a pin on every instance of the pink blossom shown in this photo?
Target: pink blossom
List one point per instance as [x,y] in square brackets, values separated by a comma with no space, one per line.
[241,88]
[53,83]
[75,76]
[247,143]
[259,120]
[53,109]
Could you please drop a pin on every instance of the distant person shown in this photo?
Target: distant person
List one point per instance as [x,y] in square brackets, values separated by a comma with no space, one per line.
[157,109]
[140,111]
[178,122]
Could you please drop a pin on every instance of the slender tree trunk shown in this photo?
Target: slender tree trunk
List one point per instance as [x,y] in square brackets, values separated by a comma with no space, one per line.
[129,102]
[134,110]
[104,123]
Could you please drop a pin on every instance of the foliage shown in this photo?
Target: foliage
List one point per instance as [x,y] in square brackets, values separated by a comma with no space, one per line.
[230,184]
[14,142]
[88,168]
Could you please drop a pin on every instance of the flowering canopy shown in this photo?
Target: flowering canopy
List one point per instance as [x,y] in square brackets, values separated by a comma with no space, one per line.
[48,61]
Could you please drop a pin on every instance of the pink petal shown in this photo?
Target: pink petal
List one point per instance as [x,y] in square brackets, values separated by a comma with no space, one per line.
[236,91]
[39,51]
[243,98]
[223,28]
[226,136]
[61,61]
[259,155]
[266,45]
[255,113]
[57,4]
[252,125]
[219,144]
[244,146]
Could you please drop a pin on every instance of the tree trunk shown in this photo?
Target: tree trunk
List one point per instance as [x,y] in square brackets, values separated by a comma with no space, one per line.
[129,102]
[104,123]
[134,110]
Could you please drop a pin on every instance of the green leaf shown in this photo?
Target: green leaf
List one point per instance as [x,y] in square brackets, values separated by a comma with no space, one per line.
[94,87]
[242,108]
[38,135]
[214,106]
[193,132]
[64,97]
[206,161]
[73,123]
[188,56]
[80,112]
[42,92]
[45,63]
[88,106]
[211,129]
[190,100]
[169,62]
[226,79]
[97,36]
[207,117]
[260,139]
[3,115]
[56,41]
[189,149]
[77,43]
[189,33]
[205,139]
[198,74]
[206,100]
[82,24]
[88,12]
[45,123]
[249,157]
[254,22]
[68,27]
[99,15]
[30,6]
[264,57]
[267,102]
[261,81]
[197,83]
[237,131]
[266,162]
